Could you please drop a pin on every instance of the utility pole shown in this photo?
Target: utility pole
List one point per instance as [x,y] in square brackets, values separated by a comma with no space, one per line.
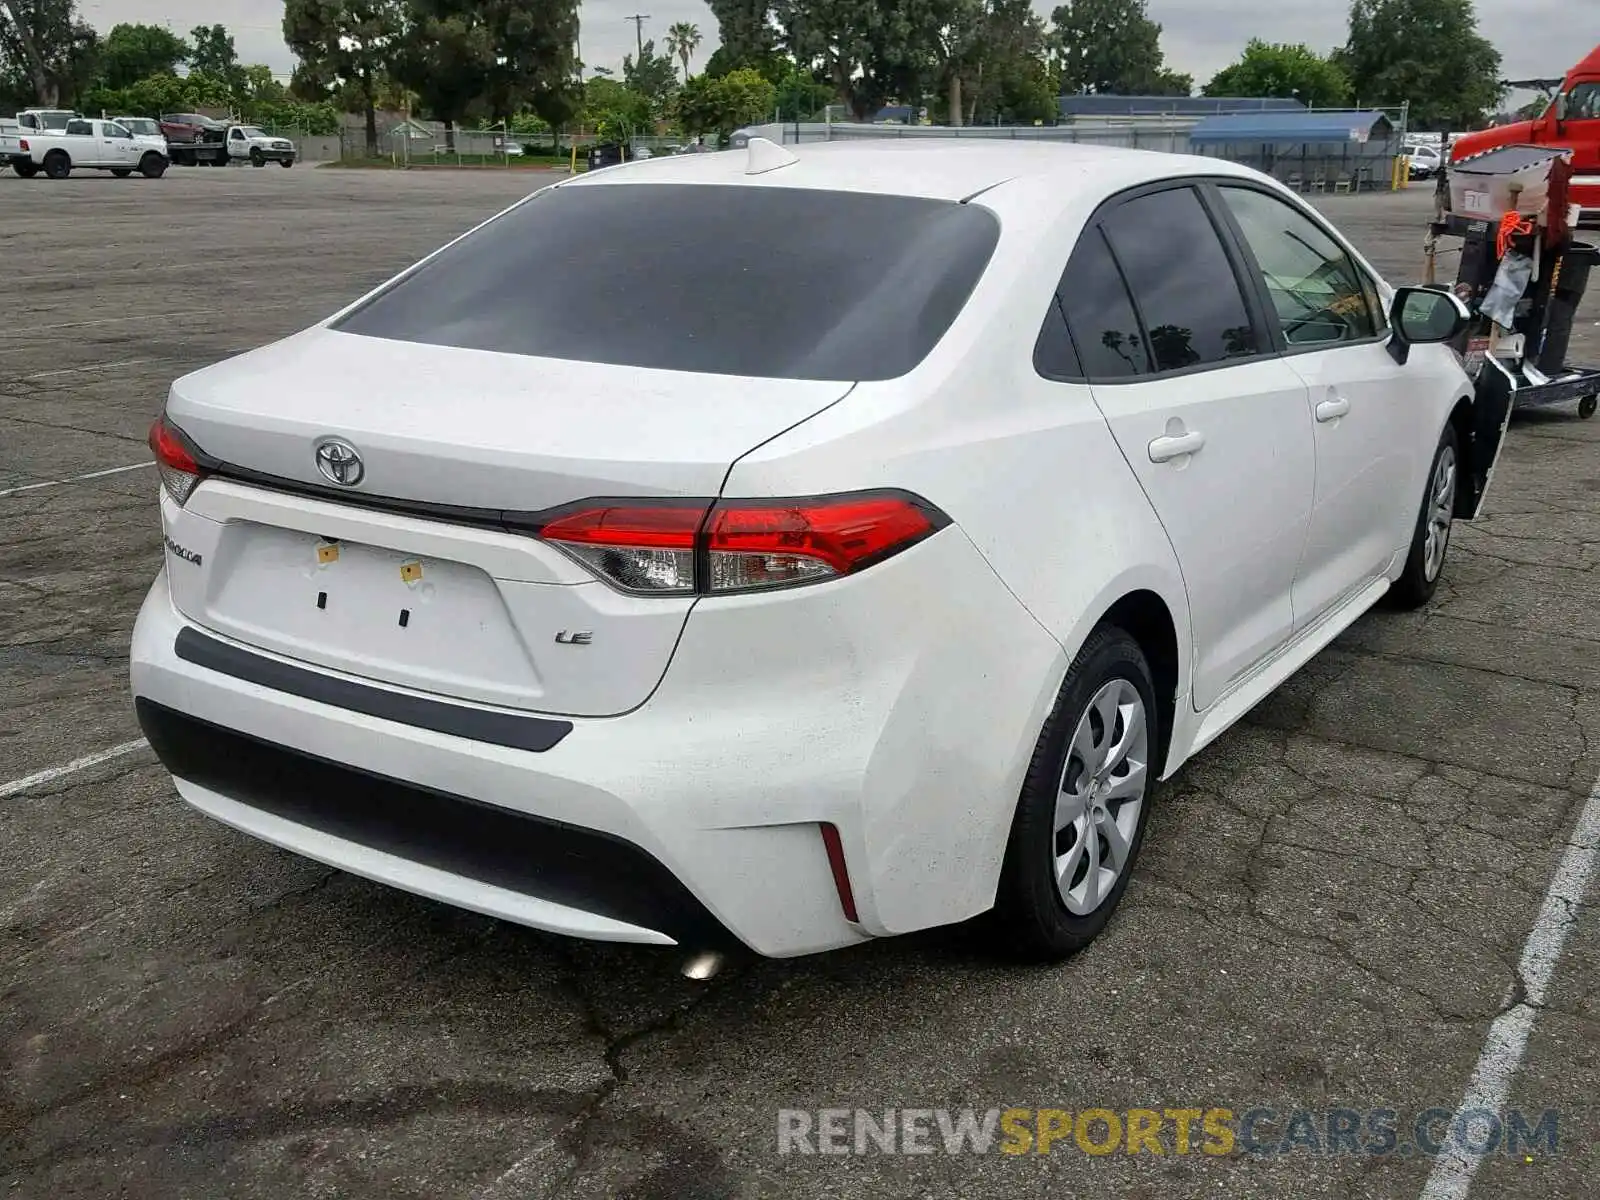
[638,20]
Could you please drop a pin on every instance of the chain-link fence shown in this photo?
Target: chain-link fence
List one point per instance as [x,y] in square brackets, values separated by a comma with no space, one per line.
[1165,135]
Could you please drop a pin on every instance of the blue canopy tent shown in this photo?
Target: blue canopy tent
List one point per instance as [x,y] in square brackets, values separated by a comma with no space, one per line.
[1314,149]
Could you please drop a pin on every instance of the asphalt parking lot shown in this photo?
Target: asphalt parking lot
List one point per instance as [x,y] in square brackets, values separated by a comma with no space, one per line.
[1329,914]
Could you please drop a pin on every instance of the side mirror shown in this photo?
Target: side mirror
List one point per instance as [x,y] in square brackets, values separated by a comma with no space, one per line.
[1562,107]
[1420,316]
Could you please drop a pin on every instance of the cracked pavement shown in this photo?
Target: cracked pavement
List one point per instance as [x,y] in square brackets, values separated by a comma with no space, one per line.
[1329,910]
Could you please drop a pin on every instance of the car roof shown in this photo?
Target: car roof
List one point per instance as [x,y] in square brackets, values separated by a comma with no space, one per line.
[934,168]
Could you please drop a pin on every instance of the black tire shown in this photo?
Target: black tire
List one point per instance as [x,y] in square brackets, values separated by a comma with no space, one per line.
[286,163]
[25,168]
[219,162]
[1587,405]
[1416,584]
[1030,914]
[256,158]
[57,165]
[122,172]
[152,166]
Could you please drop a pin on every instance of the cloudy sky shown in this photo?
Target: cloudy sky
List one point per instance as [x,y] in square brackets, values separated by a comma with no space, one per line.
[1536,37]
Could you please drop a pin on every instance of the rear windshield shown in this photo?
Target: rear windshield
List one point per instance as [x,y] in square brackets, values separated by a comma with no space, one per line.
[771,282]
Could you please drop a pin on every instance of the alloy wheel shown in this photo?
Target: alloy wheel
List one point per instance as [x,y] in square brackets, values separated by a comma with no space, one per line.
[1101,793]
[1441,512]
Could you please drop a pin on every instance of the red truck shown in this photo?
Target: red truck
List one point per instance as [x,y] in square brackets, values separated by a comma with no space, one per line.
[1572,120]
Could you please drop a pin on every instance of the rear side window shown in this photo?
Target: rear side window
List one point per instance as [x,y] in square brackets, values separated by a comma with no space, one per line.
[79,128]
[789,283]
[1105,329]
[1182,281]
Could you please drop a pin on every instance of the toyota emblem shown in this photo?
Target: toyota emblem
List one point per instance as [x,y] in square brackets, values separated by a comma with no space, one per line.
[339,462]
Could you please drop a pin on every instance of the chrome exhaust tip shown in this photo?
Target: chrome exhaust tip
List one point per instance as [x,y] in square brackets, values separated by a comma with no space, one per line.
[703,966]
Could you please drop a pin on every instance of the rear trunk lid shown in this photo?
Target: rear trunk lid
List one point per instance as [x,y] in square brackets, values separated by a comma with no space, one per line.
[406,577]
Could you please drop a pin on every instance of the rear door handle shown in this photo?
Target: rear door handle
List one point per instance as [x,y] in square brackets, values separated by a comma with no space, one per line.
[1164,449]
[1332,410]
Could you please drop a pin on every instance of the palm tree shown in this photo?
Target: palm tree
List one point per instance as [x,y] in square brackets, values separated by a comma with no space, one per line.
[683,39]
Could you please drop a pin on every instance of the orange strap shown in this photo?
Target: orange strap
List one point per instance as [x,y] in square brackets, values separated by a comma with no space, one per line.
[1511,225]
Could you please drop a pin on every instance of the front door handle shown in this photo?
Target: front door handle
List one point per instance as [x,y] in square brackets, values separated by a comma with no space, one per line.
[1332,410]
[1164,449]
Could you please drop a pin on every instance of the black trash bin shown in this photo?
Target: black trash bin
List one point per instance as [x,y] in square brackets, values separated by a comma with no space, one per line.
[605,154]
[1570,277]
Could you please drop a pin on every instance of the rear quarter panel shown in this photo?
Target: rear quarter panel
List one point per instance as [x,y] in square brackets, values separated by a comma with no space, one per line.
[1030,474]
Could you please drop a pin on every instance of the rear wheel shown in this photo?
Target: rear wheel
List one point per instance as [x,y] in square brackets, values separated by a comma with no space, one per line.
[1431,537]
[25,167]
[256,158]
[1085,802]
[57,165]
[152,166]
[1587,405]
[287,163]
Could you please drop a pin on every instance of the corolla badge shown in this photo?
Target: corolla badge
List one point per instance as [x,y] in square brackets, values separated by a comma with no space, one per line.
[339,462]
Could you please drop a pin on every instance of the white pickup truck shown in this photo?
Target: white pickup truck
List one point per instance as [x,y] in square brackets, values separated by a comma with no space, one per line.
[246,142]
[87,143]
[10,141]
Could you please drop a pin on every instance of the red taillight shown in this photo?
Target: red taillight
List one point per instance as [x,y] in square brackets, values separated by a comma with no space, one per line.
[643,548]
[24,144]
[841,873]
[760,545]
[743,545]
[179,470]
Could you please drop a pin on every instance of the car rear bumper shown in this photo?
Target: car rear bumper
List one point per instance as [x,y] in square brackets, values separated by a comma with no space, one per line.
[695,820]
[484,857]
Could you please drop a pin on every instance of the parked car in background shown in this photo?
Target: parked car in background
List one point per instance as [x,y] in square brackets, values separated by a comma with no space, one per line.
[1425,160]
[854,562]
[195,140]
[145,128]
[89,143]
[247,143]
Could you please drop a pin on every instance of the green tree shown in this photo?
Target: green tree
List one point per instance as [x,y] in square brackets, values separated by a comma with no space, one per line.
[1290,71]
[134,52]
[1171,83]
[870,53]
[745,31]
[797,95]
[993,60]
[213,52]
[47,51]
[717,105]
[1426,51]
[1110,47]
[613,110]
[345,44]
[652,75]
[683,39]
[491,57]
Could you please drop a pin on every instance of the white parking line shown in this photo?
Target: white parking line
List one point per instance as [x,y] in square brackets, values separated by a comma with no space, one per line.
[33,487]
[125,362]
[1503,1049]
[18,786]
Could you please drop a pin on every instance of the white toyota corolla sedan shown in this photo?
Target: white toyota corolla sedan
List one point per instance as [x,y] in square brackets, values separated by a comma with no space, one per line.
[776,550]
